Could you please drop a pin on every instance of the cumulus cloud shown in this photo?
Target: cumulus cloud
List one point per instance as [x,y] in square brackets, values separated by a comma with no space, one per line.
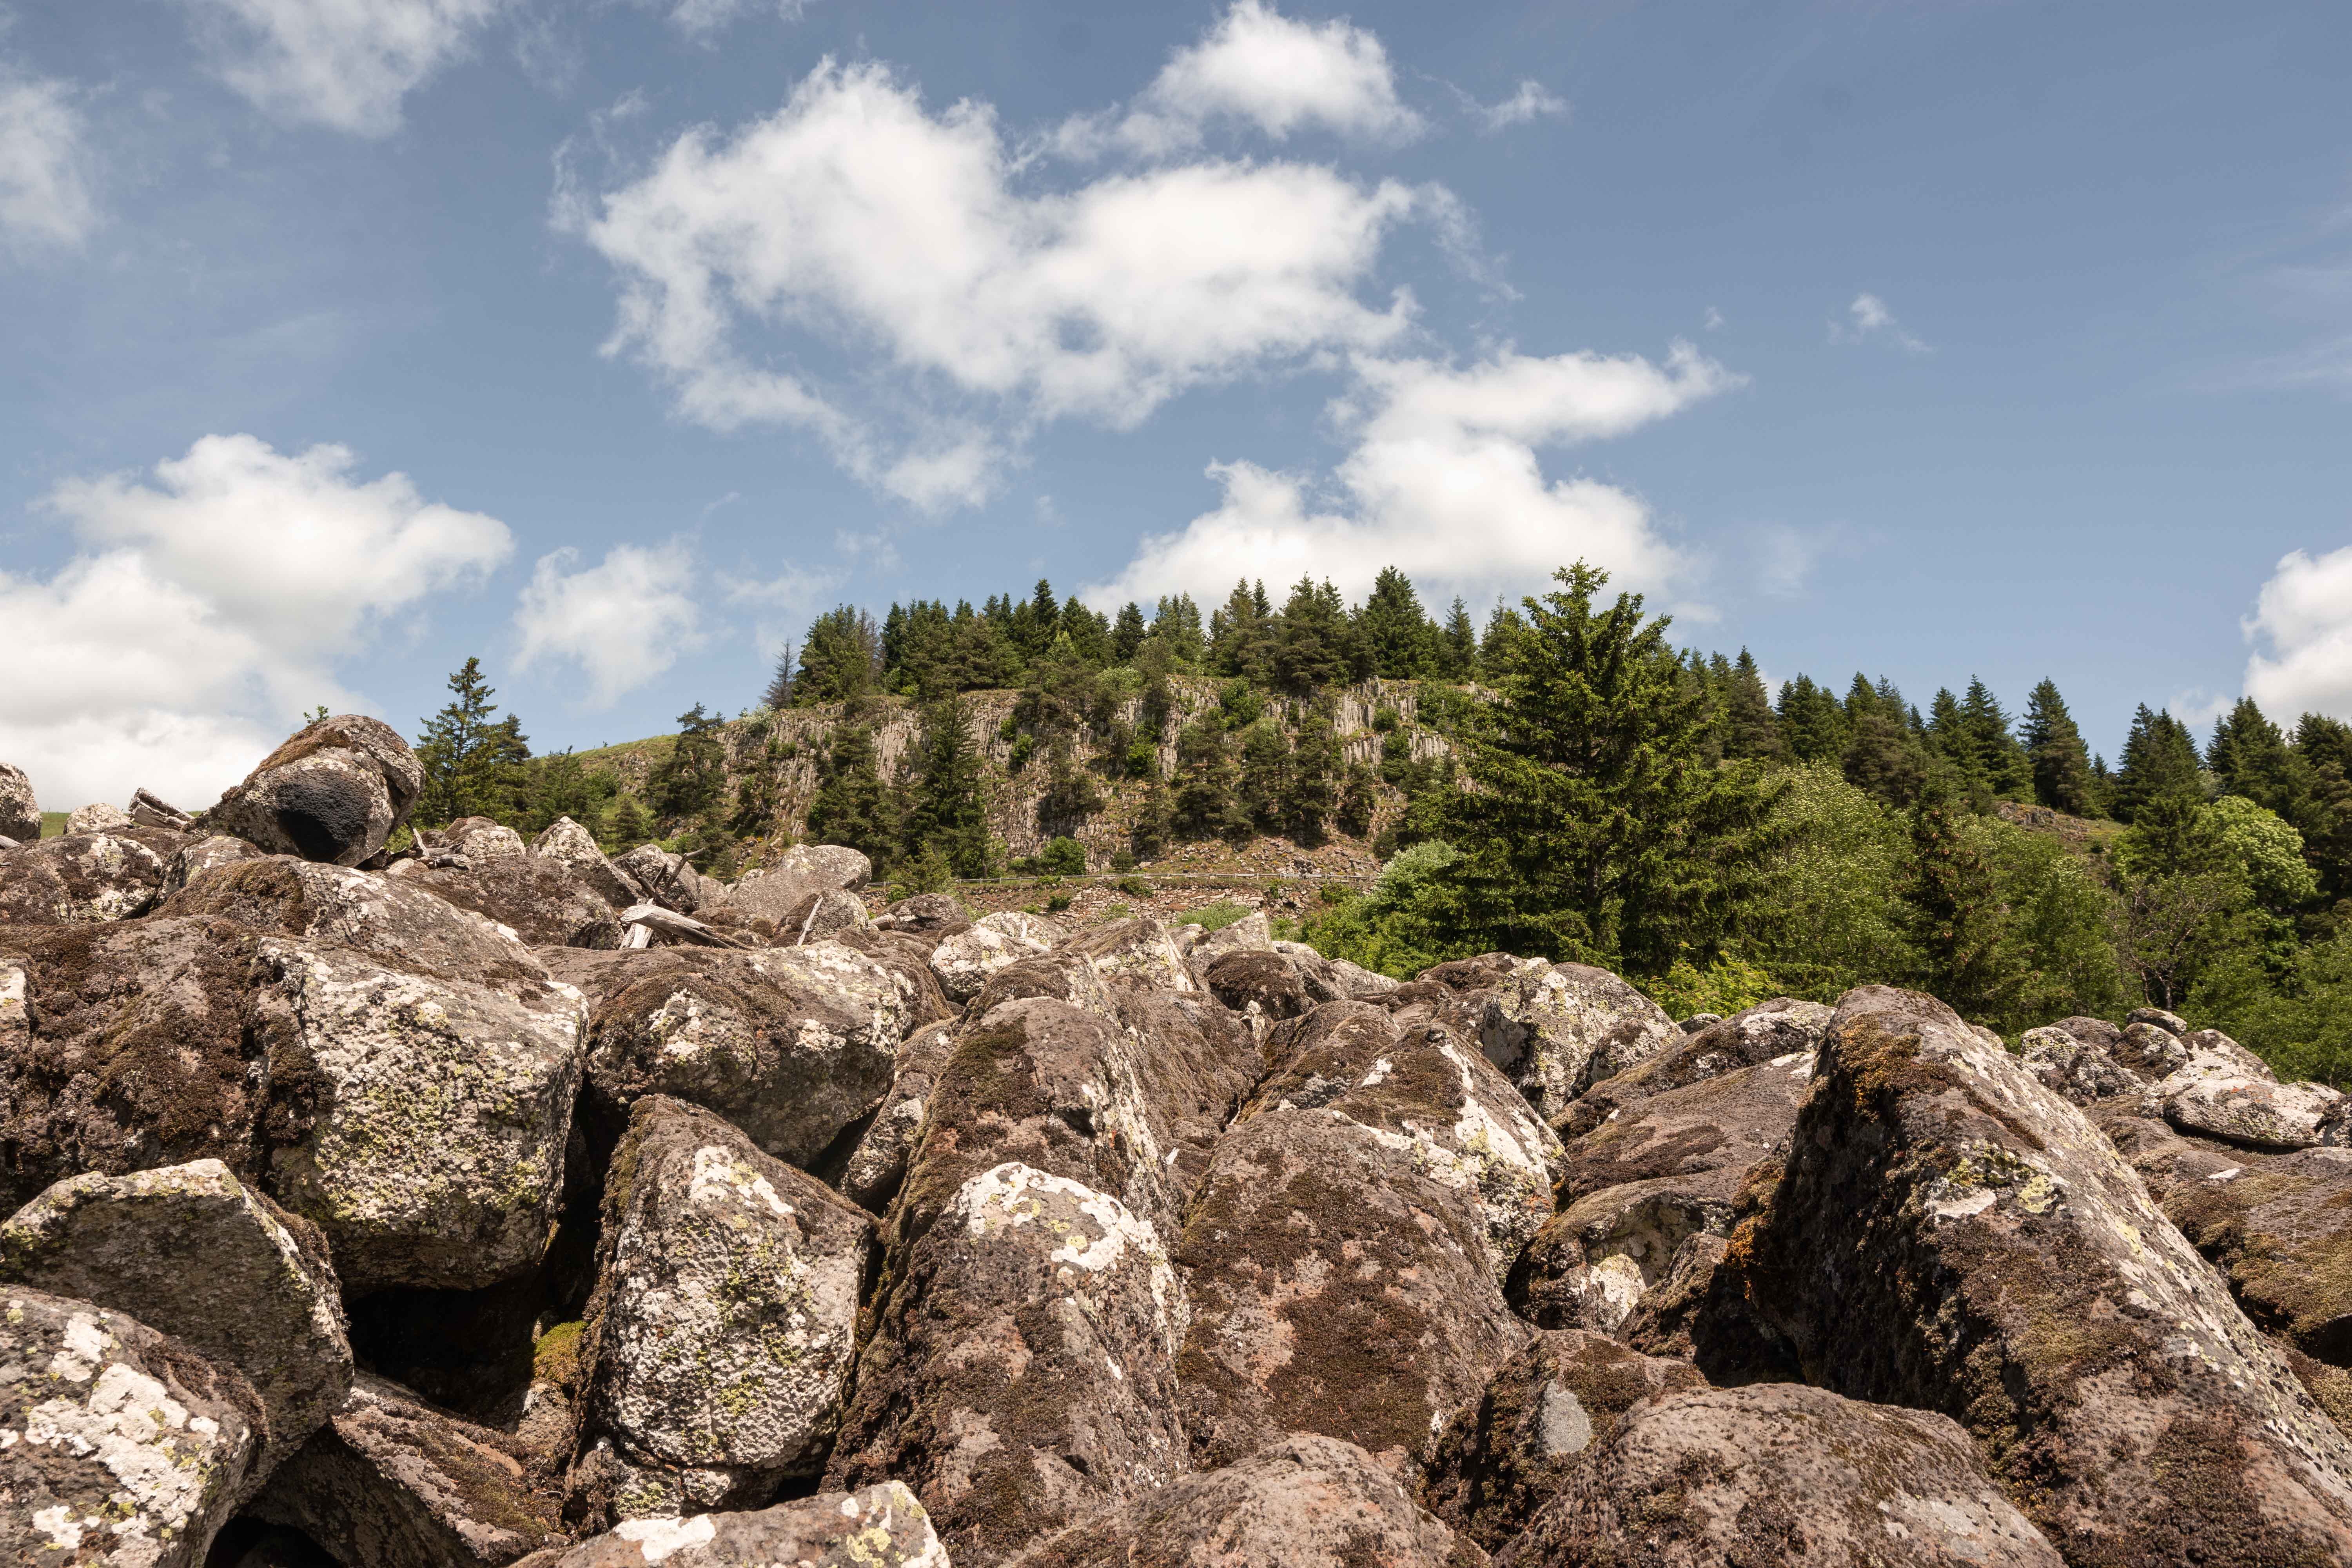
[854,216]
[623,621]
[1532,101]
[1870,320]
[2302,629]
[1444,482]
[1259,69]
[344,64]
[210,608]
[703,20]
[47,170]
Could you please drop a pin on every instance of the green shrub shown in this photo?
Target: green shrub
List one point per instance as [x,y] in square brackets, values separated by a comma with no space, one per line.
[1216,916]
[1062,858]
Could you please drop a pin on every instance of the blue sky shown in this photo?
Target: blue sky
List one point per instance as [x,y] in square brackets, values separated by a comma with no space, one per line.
[610,339]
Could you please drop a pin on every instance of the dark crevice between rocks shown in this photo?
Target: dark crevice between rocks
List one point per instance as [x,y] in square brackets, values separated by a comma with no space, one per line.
[246,1542]
[468,1352]
[829,1165]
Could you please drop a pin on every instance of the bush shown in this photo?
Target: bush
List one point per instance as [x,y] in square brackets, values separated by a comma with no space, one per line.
[1727,986]
[1058,902]
[1216,916]
[1410,921]
[1062,858]
[1123,861]
[1135,887]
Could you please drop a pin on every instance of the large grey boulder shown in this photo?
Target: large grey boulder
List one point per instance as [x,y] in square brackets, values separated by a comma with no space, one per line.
[1781,1474]
[539,900]
[880,1527]
[930,916]
[1336,1287]
[2225,1091]
[192,1251]
[571,846]
[965,960]
[84,878]
[197,856]
[1021,1370]
[1302,1501]
[2076,1057]
[480,839]
[773,893]
[1556,1029]
[20,813]
[334,791]
[1950,1234]
[878,1164]
[719,1343]
[98,816]
[792,1045]
[124,1447]
[1136,952]
[1782,1027]
[433,1115]
[392,1482]
[1504,1456]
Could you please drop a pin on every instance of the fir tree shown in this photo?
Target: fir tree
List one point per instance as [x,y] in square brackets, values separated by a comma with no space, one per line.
[2061,764]
[1154,822]
[1265,775]
[475,764]
[1176,625]
[1357,801]
[628,826]
[1592,828]
[691,779]
[1995,757]
[2159,759]
[2249,757]
[949,809]
[852,806]
[1314,645]
[1310,791]
[779,694]
[1205,803]
[840,657]
[1069,796]
[1460,643]
[1395,629]
[1954,915]
[1127,633]
[1240,642]
[1884,754]
[1812,725]
[1749,729]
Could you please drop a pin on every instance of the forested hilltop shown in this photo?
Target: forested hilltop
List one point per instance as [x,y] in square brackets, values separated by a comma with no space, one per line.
[1561,780]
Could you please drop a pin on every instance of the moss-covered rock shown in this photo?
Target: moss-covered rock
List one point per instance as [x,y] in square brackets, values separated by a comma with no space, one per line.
[1557,1029]
[542,900]
[1769,1031]
[84,878]
[333,792]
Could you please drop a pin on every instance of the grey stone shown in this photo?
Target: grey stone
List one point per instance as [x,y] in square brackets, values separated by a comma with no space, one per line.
[880,1527]
[574,846]
[774,891]
[1558,1029]
[333,792]
[98,817]
[964,960]
[20,813]
[84,878]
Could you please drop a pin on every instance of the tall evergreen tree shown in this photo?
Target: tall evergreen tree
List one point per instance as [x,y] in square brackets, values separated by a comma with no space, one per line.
[1592,828]
[840,657]
[1954,912]
[1812,725]
[1206,799]
[475,763]
[1240,643]
[1127,633]
[1396,631]
[2061,764]
[1460,643]
[1264,779]
[628,826]
[852,805]
[2159,759]
[1750,729]
[1069,796]
[1315,645]
[693,777]
[2249,757]
[1176,625]
[779,692]
[947,806]
[1310,792]
[1884,752]
[1996,756]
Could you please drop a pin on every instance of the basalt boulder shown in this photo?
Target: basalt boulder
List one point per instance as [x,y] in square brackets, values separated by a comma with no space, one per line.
[2076,1057]
[880,1527]
[1556,1029]
[538,899]
[878,1165]
[571,846]
[668,880]
[964,960]
[930,916]
[821,916]
[1781,1474]
[719,1343]
[124,1447]
[84,878]
[1783,1026]
[334,791]
[775,891]
[98,816]
[1951,1235]
[20,812]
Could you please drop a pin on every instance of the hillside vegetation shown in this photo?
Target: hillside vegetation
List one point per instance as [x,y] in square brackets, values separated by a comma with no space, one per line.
[1562,781]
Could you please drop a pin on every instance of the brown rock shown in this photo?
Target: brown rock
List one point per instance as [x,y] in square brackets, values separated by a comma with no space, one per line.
[84,878]
[878,1165]
[880,1527]
[334,791]
[542,900]
[1785,1475]
[1783,1026]
[930,916]
[20,813]
[1302,1501]
[1558,1029]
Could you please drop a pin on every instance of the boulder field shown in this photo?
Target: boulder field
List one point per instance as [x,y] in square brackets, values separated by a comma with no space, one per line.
[499,1202]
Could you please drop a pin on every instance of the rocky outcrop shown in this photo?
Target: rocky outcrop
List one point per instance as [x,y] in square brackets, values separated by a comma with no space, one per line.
[392,1482]
[20,813]
[572,847]
[98,817]
[2076,1057]
[125,1447]
[964,960]
[775,891]
[1784,1475]
[2223,1090]
[933,917]
[668,880]
[717,1345]
[1556,1029]
[333,792]
[197,856]
[881,1527]
[1504,1456]
[192,1251]
[1951,1235]
[84,878]
[1302,1501]
[540,899]
[1769,1031]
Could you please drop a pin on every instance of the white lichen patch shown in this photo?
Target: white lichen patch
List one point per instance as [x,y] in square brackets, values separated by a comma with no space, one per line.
[1093,1232]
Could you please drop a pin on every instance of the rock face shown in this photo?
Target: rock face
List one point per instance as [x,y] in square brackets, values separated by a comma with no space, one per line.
[1020,1372]
[1782,1027]
[964,960]
[1557,1029]
[1781,1474]
[878,1164]
[880,1527]
[2076,1057]
[2224,1092]
[192,1251]
[792,1045]
[394,1483]
[820,916]
[84,878]
[1502,1459]
[1302,1502]
[806,869]
[1951,1235]
[539,899]
[20,813]
[124,1447]
[572,847]
[197,856]
[334,791]
[719,1343]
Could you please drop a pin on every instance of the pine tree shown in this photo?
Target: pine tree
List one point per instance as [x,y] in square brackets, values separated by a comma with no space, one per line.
[2061,764]
[2159,759]
[1395,629]
[1127,634]
[629,824]
[1265,775]
[691,779]
[1593,829]
[949,805]
[475,765]
[1310,792]
[1995,755]
[1240,642]
[840,657]
[1176,625]
[1883,753]
[2250,756]
[1459,641]
[852,806]
[1147,839]
[1749,729]
[1812,725]
[1206,803]
[779,694]
[1954,914]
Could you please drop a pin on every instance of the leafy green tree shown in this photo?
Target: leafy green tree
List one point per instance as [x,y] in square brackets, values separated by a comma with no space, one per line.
[2060,762]
[1592,828]
[852,806]
[2184,895]
[475,764]
[1840,919]
[2292,1009]
[1954,913]
[1062,856]
[691,780]
[1412,919]
[2057,926]
[949,805]
[2268,849]
[2159,761]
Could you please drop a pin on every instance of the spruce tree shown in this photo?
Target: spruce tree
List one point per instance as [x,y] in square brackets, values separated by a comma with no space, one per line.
[2061,764]
[475,765]
[840,657]
[1176,625]
[1750,729]
[1127,634]
[1265,775]
[1154,822]
[1314,644]
[2250,756]
[778,693]
[1884,754]
[1358,801]
[1310,792]
[1812,725]
[1402,644]
[1240,642]
[948,806]
[693,777]
[1069,796]
[1460,642]
[1205,802]
[628,826]
[1592,828]
[1997,758]
[852,805]
[2159,759]
[1954,913]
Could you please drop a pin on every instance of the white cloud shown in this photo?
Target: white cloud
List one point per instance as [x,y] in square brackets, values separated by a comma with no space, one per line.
[344,64]
[1444,483]
[1262,68]
[47,169]
[782,603]
[623,621]
[1531,102]
[1871,319]
[850,216]
[2303,616]
[208,610]
[703,20]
